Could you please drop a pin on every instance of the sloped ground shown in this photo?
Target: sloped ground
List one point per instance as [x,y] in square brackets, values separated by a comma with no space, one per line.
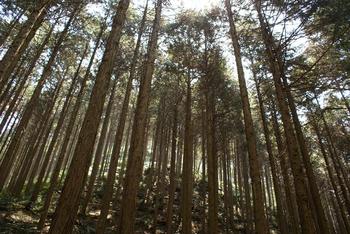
[14,218]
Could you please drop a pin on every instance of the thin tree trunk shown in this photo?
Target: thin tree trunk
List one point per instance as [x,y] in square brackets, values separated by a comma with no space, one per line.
[282,222]
[11,26]
[9,158]
[39,149]
[25,77]
[331,176]
[172,175]
[212,161]
[21,41]
[48,155]
[57,169]
[290,195]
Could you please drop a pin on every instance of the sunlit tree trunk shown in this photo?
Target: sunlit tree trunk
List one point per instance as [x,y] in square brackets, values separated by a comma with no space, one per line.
[135,163]
[108,192]
[68,204]
[260,220]
[307,222]
[9,158]
[22,39]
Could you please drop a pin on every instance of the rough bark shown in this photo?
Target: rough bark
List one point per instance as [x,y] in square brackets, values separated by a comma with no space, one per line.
[187,165]
[260,220]
[307,222]
[22,39]
[68,204]
[282,222]
[10,156]
[135,163]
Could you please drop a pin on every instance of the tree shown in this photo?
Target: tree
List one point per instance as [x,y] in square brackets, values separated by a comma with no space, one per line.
[134,163]
[259,213]
[69,201]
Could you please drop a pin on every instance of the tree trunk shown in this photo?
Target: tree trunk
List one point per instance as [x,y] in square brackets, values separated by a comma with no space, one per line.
[289,193]
[134,164]
[187,166]
[315,193]
[276,66]
[102,145]
[108,192]
[11,26]
[172,175]
[331,176]
[282,222]
[261,224]
[21,41]
[25,77]
[57,169]
[9,158]
[68,204]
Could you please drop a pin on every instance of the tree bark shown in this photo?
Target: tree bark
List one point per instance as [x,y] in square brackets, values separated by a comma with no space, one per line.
[10,156]
[22,39]
[187,165]
[134,164]
[108,192]
[68,204]
[260,220]
[307,222]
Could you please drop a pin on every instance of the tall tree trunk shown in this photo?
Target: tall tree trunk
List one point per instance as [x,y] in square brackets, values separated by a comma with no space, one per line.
[187,166]
[12,84]
[57,169]
[155,143]
[260,220]
[64,151]
[54,141]
[12,26]
[108,192]
[102,145]
[203,180]
[282,222]
[289,193]
[25,77]
[335,159]
[172,175]
[116,201]
[10,156]
[331,175]
[29,158]
[315,193]
[307,222]
[21,41]
[69,201]
[212,160]
[39,149]
[135,163]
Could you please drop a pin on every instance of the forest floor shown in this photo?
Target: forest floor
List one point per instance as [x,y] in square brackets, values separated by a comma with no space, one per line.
[15,219]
